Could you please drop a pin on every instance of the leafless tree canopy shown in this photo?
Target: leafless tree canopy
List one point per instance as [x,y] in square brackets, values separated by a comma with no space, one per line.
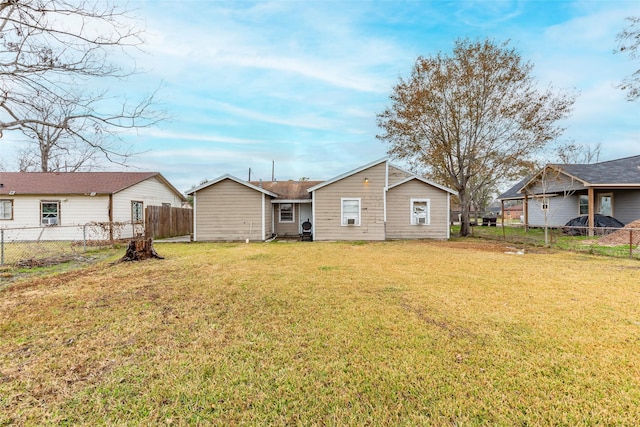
[629,43]
[51,51]
[472,118]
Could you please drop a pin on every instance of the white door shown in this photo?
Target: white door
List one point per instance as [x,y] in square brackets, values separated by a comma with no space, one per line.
[606,204]
[305,215]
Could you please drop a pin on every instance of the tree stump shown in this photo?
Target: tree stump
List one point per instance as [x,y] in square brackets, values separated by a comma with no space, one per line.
[140,249]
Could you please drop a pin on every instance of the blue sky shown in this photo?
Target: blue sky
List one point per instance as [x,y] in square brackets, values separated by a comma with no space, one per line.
[300,83]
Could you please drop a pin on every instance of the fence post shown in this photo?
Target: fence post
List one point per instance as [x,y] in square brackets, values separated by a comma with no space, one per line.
[84,238]
[630,243]
[2,246]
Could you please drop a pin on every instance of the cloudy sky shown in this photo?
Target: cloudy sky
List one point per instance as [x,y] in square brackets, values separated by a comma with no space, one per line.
[299,83]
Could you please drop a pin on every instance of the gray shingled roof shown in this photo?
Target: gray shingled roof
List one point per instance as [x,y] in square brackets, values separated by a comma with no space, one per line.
[619,171]
[625,171]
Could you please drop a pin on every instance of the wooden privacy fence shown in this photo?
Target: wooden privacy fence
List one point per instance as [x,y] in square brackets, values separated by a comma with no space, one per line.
[164,221]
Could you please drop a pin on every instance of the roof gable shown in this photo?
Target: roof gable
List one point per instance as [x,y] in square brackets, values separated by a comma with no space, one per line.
[46,183]
[426,181]
[232,178]
[347,174]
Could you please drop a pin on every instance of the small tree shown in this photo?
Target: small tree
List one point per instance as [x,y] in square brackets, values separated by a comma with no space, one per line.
[472,118]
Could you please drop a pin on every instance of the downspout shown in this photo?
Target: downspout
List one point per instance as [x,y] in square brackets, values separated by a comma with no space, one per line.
[448,215]
[111,218]
[592,209]
[264,219]
[384,197]
[526,212]
[195,211]
[313,215]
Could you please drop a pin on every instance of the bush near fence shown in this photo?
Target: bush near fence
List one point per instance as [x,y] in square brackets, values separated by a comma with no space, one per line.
[29,246]
[618,242]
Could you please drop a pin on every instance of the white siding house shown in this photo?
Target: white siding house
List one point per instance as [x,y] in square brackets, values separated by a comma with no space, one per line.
[59,206]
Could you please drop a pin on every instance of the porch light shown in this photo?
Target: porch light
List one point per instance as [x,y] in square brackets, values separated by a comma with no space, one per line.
[366,180]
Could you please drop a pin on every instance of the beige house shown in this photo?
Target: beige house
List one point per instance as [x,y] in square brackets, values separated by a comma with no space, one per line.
[377,201]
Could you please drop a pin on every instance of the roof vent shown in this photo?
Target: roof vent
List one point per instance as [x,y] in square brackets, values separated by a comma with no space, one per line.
[11,193]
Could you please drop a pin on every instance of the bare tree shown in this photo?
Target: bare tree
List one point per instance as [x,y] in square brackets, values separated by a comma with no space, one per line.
[472,118]
[51,50]
[574,153]
[629,43]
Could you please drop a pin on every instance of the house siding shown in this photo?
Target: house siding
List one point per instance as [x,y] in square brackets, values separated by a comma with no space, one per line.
[561,209]
[396,175]
[626,208]
[230,211]
[287,229]
[626,205]
[74,213]
[327,201]
[399,212]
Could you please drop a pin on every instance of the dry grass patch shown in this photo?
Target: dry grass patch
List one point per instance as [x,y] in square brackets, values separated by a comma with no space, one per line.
[400,333]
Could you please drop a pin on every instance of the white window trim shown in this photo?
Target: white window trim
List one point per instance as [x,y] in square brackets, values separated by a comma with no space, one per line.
[141,220]
[293,213]
[57,202]
[428,211]
[580,196]
[10,202]
[342,219]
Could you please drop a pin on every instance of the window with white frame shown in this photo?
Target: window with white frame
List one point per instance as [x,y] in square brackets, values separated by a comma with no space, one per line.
[420,214]
[583,204]
[6,209]
[137,211]
[350,211]
[49,212]
[286,212]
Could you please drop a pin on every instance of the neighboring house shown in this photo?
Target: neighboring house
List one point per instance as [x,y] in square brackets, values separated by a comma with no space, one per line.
[377,201]
[566,191]
[513,212]
[56,205]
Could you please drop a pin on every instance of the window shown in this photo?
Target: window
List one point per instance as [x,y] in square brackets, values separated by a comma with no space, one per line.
[350,211]
[420,212]
[583,204]
[286,212]
[545,203]
[137,211]
[49,213]
[6,209]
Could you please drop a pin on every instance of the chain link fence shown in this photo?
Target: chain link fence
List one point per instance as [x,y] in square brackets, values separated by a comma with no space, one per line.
[617,242]
[40,246]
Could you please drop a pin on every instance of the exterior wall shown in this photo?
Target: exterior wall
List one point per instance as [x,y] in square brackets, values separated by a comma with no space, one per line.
[229,211]
[396,175]
[561,210]
[626,208]
[151,192]
[399,212]
[626,205]
[555,183]
[74,212]
[327,209]
[287,228]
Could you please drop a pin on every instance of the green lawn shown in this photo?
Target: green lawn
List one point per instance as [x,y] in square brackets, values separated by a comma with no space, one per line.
[393,333]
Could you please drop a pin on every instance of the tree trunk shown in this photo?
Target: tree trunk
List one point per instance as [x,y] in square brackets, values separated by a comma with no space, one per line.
[139,250]
[465,223]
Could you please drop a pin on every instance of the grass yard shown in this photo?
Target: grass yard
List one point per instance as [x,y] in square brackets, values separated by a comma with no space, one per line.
[391,333]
